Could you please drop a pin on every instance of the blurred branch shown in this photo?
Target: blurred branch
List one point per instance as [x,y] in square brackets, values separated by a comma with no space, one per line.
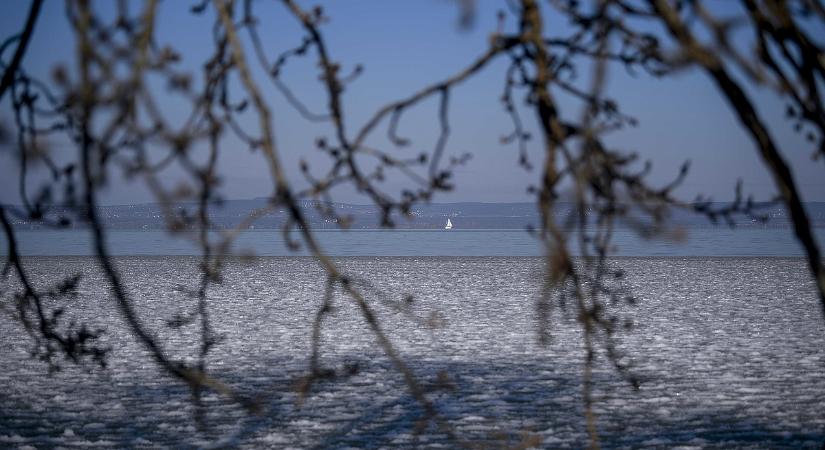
[765,144]
[24,38]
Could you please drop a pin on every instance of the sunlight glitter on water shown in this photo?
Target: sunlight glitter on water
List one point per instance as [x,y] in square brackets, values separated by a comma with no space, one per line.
[727,350]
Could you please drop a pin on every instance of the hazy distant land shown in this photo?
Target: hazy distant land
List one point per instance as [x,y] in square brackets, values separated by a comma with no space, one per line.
[466,215]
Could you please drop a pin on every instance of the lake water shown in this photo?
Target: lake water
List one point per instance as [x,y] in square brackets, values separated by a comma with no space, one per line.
[728,350]
[700,242]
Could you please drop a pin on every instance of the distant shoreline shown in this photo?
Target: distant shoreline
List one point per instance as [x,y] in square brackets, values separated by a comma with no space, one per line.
[433,216]
[721,241]
[738,226]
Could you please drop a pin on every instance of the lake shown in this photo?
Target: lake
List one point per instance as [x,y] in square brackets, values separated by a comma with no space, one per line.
[728,350]
[700,242]
[728,345]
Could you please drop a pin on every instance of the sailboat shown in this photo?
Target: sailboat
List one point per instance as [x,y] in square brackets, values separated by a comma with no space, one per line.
[449,225]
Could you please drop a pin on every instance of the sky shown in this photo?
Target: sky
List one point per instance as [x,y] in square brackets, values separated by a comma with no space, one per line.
[404,46]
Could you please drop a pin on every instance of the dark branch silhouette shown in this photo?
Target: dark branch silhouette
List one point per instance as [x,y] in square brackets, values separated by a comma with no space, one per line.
[115,122]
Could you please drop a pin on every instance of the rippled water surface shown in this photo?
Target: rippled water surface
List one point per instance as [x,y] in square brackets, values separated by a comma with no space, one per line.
[729,352]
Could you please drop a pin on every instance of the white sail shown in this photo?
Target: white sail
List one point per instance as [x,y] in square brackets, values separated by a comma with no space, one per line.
[449,225]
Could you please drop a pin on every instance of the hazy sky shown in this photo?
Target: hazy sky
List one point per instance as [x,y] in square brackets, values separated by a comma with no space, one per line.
[404,46]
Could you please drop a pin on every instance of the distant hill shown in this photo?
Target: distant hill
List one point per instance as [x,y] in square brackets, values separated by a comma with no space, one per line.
[465,215]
